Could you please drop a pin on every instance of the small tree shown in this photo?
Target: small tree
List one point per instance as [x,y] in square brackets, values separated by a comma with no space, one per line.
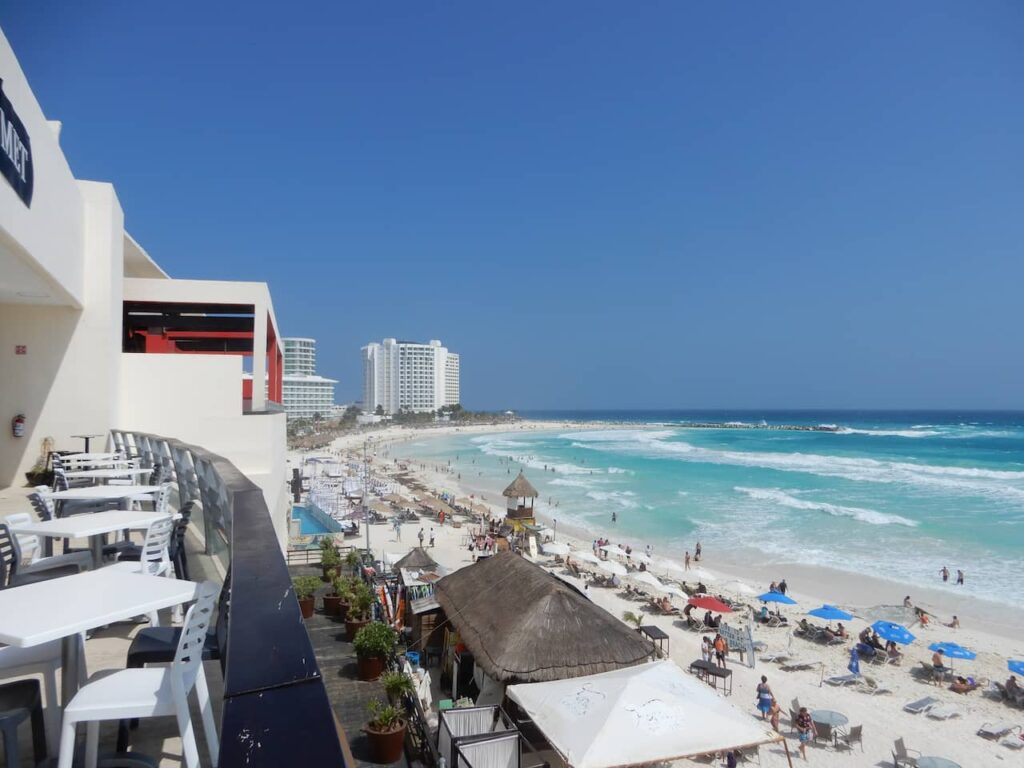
[631,618]
[379,410]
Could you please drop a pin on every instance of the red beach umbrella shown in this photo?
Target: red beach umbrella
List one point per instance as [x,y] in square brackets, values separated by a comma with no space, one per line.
[708,603]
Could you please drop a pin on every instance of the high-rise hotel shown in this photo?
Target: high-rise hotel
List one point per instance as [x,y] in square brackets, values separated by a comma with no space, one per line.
[409,376]
[306,395]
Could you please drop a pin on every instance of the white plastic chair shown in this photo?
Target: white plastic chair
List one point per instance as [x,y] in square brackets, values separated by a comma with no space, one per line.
[43,660]
[155,559]
[150,692]
[30,548]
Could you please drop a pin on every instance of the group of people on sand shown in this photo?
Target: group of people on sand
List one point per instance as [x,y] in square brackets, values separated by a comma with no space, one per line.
[944,573]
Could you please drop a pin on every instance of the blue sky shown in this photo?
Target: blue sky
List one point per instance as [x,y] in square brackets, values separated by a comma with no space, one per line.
[597,204]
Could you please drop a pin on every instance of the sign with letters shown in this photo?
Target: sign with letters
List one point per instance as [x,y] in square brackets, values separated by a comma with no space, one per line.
[15,151]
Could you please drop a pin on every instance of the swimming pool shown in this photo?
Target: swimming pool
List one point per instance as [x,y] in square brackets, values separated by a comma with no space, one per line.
[313,521]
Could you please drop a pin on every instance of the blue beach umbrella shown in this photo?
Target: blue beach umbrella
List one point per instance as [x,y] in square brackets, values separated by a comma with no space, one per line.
[888,630]
[953,651]
[776,597]
[830,613]
[1017,667]
[854,665]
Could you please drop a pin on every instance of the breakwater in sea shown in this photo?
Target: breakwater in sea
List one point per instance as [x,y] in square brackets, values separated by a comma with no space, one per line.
[743,425]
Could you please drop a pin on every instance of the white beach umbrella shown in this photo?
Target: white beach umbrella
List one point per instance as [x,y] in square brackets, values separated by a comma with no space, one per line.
[672,589]
[613,549]
[610,566]
[640,557]
[555,548]
[701,575]
[648,578]
[739,587]
[586,557]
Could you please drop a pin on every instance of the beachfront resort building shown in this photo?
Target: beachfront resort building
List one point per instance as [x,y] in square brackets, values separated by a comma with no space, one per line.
[409,376]
[307,395]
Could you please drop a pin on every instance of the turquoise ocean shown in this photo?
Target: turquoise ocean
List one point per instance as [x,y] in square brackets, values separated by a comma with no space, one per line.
[894,494]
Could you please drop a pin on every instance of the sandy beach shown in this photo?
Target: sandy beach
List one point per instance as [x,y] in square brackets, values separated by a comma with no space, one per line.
[992,631]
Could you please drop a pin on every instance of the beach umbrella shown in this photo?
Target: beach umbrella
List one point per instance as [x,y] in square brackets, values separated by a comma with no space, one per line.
[640,557]
[776,597]
[672,589]
[668,565]
[555,548]
[890,630]
[953,651]
[854,665]
[1017,667]
[740,587]
[610,566]
[648,578]
[830,613]
[708,603]
[700,574]
[586,557]
[613,549]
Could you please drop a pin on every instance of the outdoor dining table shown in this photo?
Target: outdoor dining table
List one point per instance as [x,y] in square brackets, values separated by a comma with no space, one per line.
[828,717]
[115,473]
[91,526]
[87,439]
[104,492]
[59,609]
[935,762]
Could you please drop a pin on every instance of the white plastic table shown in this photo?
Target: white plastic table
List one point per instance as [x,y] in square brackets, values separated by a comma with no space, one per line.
[935,762]
[106,474]
[828,717]
[59,609]
[92,526]
[104,492]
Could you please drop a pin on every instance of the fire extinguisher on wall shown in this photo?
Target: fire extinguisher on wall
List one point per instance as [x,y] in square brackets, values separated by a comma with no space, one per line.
[18,425]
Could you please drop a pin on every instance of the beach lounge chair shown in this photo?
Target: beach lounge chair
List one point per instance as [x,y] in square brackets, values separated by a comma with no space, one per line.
[775,621]
[1013,741]
[944,712]
[792,665]
[842,680]
[848,738]
[921,705]
[996,730]
[902,756]
[870,686]
[696,625]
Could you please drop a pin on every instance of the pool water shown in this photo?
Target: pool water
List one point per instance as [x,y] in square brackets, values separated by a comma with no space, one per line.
[312,521]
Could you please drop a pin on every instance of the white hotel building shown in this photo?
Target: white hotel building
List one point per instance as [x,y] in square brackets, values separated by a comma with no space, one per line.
[409,376]
[306,394]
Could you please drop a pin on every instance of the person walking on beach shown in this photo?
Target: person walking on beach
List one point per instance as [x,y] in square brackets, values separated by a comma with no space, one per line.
[783,587]
[773,714]
[696,552]
[420,536]
[686,561]
[721,646]
[431,538]
[764,697]
[945,573]
[959,577]
[804,729]
[397,525]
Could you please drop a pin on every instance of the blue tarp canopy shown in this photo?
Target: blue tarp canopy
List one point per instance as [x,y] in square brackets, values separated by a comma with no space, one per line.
[776,597]
[830,613]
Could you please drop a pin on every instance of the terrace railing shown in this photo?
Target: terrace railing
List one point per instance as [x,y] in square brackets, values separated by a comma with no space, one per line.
[275,709]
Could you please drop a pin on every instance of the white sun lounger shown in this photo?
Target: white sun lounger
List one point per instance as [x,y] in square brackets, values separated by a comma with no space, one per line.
[843,680]
[1013,742]
[921,705]
[791,665]
[871,687]
[997,730]
[944,712]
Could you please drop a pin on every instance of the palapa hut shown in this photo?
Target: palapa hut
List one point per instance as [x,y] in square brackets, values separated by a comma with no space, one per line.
[523,625]
[417,558]
[520,496]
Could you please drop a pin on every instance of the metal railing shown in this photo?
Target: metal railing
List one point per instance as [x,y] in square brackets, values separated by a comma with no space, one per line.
[275,708]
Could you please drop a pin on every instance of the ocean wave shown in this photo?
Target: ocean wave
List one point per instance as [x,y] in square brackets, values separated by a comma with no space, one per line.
[1005,484]
[780,497]
[619,471]
[502,448]
[889,432]
[571,483]
[622,498]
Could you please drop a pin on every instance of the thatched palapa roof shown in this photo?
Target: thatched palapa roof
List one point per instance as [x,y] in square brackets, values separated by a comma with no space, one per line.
[523,625]
[417,558]
[520,487]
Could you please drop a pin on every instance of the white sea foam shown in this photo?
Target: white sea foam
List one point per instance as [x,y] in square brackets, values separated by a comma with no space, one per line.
[889,432]
[1005,484]
[780,497]
[622,498]
[619,471]
[510,449]
[572,483]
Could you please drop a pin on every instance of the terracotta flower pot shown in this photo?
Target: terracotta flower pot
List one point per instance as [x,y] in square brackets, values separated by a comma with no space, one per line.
[331,603]
[306,606]
[370,667]
[342,610]
[351,627]
[386,746]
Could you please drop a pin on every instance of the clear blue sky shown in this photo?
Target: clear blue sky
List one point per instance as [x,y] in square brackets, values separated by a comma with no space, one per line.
[597,204]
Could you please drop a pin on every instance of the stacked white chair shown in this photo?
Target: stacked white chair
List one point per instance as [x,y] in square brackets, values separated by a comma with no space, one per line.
[150,692]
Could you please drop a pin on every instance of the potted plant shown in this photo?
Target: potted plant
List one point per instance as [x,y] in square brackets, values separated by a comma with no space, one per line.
[632,618]
[330,562]
[338,593]
[305,588]
[373,644]
[397,685]
[385,733]
[352,561]
[359,604]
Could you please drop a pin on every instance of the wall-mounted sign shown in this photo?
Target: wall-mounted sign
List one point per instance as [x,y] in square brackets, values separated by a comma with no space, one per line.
[15,150]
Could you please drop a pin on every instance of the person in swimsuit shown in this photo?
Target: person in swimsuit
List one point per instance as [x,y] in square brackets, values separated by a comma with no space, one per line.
[804,729]
[764,697]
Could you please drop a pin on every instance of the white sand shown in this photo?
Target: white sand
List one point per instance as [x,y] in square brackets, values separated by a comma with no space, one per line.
[996,640]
